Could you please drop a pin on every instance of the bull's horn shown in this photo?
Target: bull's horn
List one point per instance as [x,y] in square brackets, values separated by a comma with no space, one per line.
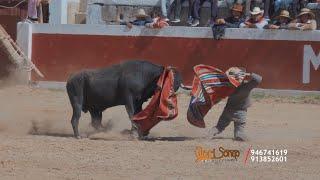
[188,88]
[184,89]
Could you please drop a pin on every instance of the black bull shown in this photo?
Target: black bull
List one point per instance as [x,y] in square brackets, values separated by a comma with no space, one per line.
[130,84]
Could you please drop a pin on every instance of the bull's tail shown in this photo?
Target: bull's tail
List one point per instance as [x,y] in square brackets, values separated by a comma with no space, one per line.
[76,89]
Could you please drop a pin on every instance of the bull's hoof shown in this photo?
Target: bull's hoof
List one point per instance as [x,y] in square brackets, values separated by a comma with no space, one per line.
[134,134]
[144,138]
[97,126]
[138,136]
[78,137]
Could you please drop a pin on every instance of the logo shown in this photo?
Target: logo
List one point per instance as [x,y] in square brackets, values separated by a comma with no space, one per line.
[309,56]
[204,155]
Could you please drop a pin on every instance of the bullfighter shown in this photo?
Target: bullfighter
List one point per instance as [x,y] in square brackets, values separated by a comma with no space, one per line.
[237,104]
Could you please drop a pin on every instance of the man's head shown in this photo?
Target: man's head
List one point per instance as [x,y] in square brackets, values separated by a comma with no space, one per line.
[256,14]
[284,17]
[237,73]
[237,10]
[305,15]
[141,14]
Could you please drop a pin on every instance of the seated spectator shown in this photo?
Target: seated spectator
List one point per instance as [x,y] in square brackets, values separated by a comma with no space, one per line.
[196,11]
[304,21]
[142,19]
[281,22]
[268,9]
[177,4]
[256,20]
[235,20]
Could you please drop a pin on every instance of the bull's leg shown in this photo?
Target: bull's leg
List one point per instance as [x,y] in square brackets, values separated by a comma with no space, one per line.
[130,105]
[138,107]
[131,110]
[75,119]
[96,117]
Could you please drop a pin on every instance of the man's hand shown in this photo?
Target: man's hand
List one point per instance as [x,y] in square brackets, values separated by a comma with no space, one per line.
[272,26]
[129,25]
[249,25]
[220,21]
[252,26]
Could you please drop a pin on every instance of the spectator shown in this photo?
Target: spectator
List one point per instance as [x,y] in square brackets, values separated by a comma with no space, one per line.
[281,4]
[165,6]
[281,22]
[142,19]
[33,14]
[45,10]
[256,20]
[235,20]
[177,11]
[304,21]
[255,3]
[196,11]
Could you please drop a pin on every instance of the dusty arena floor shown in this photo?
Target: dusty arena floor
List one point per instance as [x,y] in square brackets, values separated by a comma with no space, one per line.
[36,142]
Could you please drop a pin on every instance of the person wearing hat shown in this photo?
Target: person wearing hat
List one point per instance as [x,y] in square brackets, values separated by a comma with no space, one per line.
[304,21]
[142,19]
[237,104]
[256,20]
[235,20]
[281,21]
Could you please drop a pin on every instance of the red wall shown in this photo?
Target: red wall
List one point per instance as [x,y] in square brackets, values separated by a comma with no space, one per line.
[279,62]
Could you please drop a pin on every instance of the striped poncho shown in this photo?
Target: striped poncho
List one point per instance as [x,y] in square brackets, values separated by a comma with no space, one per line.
[209,86]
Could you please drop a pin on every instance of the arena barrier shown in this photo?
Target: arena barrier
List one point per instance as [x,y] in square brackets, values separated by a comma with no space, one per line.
[285,59]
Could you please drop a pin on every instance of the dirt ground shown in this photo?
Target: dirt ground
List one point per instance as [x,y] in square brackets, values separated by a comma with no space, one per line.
[36,142]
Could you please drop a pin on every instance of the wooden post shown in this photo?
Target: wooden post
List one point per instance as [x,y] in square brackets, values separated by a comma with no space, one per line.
[15,53]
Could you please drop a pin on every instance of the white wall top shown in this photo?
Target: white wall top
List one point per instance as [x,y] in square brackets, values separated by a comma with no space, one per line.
[175,31]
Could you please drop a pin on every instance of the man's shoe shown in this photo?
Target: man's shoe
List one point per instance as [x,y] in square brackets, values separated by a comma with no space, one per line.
[189,21]
[239,134]
[195,23]
[241,138]
[176,21]
[213,132]
[166,19]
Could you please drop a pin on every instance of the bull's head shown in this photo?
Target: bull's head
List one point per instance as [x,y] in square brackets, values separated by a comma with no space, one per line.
[178,83]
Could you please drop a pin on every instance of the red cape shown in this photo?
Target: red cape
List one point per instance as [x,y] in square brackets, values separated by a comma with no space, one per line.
[163,105]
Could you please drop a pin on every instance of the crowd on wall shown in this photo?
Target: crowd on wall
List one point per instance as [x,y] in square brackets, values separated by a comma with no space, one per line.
[276,14]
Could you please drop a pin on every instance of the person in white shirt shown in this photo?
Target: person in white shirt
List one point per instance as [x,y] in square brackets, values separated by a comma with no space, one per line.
[256,20]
